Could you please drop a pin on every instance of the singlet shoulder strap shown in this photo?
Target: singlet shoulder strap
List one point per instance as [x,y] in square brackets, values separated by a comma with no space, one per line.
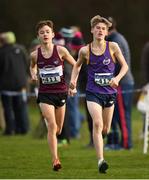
[39,53]
[110,51]
[107,44]
[39,50]
[88,55]
[55,52]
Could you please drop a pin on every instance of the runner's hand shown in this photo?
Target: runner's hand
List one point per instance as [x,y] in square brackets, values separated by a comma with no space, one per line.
[72,92]
[34,77]
[114,83]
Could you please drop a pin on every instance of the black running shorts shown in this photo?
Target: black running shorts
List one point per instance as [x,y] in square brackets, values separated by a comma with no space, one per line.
[55,99]
[105,100]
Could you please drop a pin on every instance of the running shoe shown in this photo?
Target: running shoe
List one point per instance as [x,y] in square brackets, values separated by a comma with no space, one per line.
[56,165]
[103,166]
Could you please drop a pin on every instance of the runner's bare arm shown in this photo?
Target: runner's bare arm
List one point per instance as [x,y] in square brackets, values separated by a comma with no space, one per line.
[124,67]
[33,65]
[65,55]
[82,57]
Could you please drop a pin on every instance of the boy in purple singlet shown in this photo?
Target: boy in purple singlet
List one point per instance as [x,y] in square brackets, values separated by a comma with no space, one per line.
[101,85]
[47,66]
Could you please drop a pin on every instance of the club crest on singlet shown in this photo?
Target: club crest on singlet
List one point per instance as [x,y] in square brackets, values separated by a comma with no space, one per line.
[56,61]
[106,61]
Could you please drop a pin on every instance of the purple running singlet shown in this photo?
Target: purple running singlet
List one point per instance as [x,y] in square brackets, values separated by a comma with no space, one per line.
[100,71]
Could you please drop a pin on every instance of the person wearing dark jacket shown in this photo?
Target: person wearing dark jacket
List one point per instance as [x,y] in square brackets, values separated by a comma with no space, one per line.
[14,70]
[123,107]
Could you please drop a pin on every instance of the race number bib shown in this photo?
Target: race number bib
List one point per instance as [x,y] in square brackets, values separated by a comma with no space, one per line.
[50,78]
[103,79]
[51,75]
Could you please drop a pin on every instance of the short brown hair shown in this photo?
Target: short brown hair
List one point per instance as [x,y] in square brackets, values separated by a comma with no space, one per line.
[97,19]
[40,24]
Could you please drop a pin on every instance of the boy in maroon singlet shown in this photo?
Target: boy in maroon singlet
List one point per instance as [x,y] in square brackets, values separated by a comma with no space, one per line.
[47,66]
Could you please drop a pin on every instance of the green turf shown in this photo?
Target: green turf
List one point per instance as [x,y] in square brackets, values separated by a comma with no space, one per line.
[28,157]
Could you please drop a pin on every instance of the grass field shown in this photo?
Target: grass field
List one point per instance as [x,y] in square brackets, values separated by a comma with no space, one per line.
[28,157]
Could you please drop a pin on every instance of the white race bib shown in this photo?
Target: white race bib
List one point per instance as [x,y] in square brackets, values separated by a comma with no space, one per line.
[51,75]
[103,79]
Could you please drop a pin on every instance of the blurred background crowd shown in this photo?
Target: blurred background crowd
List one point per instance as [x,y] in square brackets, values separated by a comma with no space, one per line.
[17,40]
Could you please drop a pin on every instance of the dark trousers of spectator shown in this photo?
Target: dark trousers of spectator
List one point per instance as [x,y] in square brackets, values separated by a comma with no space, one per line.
[122,118]
[15,114]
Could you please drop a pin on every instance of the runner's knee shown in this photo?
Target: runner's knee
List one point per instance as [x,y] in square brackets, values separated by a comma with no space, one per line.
[97,127]
[52,127]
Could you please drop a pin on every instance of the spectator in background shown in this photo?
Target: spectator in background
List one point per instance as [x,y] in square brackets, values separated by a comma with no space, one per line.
[67,34]
[2,122]
[59,39]
[73,115]
[123,107]
[14,73]
[64,137]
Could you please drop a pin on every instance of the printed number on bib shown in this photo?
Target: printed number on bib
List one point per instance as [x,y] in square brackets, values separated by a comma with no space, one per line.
[50,78]
[103,79]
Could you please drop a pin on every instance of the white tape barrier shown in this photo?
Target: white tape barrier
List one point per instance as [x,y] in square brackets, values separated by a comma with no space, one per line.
[28,94]
[146,133]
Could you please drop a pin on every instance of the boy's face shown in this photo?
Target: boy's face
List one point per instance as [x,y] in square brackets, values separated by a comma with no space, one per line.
[45,34]
[99,31]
